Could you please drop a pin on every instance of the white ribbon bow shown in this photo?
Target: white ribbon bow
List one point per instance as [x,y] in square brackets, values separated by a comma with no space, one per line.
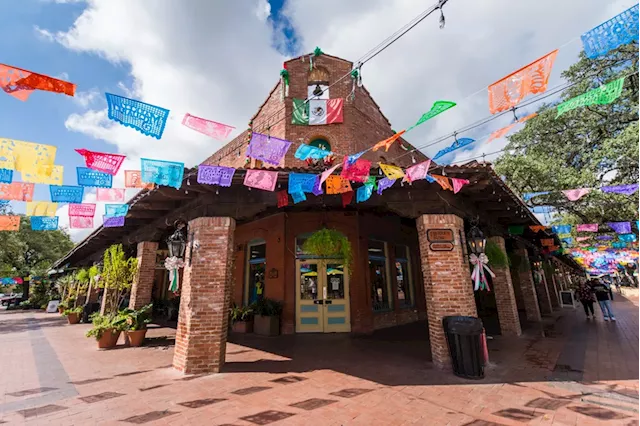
[173,264]
[479,266]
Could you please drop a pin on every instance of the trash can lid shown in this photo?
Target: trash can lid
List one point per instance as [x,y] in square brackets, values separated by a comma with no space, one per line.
[462,325]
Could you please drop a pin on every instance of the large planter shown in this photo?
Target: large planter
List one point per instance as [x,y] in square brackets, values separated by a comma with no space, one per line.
[73,318]
[242,327]
[266,326]
[136,337]
[60,310]
[109,339]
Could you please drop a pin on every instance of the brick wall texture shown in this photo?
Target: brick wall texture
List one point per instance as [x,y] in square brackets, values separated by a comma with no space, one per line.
[447,286]
[505,296]
[529,296]
[201,336]
[143,282]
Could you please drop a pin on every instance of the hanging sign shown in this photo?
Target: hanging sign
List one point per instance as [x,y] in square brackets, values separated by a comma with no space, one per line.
[89,177]
[16,191]
[21,83]
[86,209]
[44,223]
[441,246]
[102,162]
[440,235]
[215,175]
[110,194]
[66,193]
[207,127]
[168,173]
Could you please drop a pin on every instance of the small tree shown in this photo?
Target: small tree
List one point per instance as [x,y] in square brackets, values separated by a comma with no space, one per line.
[82,278]
[93,273]
[117,276]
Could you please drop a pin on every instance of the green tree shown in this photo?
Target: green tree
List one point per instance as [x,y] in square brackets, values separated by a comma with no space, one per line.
[585,148]
[26,252]
[118,273]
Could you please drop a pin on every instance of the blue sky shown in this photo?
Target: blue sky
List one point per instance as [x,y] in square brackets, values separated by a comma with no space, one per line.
[41,118]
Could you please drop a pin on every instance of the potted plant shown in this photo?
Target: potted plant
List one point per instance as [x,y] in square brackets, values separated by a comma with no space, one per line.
[116,278]
[73,314]
[266,320]
[106,329]
[241,318]
[61,307]
[136,321]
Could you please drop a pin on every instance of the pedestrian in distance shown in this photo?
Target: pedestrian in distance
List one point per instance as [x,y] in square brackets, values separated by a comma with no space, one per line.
[604,295]
[587,298]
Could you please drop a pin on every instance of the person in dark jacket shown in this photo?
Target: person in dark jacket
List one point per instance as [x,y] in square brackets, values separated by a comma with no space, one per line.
[604,297]
[587,298]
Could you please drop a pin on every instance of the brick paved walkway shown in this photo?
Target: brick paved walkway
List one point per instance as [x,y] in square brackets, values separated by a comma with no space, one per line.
[580,372]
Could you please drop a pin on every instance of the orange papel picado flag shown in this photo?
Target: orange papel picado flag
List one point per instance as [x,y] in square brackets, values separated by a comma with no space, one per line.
[506,93]
[21,83]
[388,142]
[443,181]
[9,223]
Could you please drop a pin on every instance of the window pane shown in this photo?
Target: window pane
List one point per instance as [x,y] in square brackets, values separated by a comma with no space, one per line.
[309,281]
[256,281]
[335,281]
[379,293]
[403,280]
[257,252]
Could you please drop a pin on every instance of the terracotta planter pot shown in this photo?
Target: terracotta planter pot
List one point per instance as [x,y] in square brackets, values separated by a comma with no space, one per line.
[73,318]
[109,339]
[60,310]
[242,327]
[136,338]
[266,326]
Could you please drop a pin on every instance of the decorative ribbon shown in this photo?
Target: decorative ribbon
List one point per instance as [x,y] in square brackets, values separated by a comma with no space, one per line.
[214,129]
[479,266]
[172,264]
[146,118]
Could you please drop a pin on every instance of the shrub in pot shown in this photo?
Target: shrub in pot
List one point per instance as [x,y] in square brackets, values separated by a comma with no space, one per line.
[106,330]
[136,321]
[266,320]
[241,318]
[62,307]
[73,314]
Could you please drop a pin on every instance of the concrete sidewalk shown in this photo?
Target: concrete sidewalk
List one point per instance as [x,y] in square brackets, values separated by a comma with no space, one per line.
[572,371]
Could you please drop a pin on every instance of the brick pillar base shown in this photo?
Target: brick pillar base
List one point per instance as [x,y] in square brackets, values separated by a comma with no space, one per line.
[143,282]
[527,286]
[201,338]
[447,282]
[505,296]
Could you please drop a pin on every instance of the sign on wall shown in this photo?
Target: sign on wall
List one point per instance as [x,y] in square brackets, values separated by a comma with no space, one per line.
[440,239]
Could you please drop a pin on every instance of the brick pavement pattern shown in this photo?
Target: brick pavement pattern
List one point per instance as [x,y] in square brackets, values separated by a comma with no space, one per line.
[53,375]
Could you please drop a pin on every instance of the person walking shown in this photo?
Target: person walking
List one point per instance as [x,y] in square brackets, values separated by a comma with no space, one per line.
[587,298]
[604,297]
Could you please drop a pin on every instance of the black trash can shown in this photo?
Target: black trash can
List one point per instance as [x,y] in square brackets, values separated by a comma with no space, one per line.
[464,336]
[87,310]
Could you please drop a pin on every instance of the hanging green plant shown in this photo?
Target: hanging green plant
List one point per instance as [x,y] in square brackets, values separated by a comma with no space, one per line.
[329,243]
[496,256]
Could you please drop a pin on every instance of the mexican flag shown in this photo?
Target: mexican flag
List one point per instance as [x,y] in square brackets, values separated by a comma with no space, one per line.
[317,111]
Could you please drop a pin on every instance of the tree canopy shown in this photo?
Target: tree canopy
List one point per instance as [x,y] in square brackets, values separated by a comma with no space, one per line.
[26,252]
[587,147]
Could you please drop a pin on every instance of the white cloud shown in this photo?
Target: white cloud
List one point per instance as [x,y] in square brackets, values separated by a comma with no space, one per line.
[85,99]
[43,34]
[263,10]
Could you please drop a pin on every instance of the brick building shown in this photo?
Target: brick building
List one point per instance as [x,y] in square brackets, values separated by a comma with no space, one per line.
[243,247]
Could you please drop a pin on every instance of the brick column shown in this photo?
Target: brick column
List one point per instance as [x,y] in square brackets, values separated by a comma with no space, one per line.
[543,291]
[201,338]
[447,282]
[143,281]
[527,286]
[551,283]
[505,296]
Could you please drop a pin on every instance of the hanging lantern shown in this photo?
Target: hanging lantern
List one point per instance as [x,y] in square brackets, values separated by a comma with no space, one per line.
[177,242]
[476,241]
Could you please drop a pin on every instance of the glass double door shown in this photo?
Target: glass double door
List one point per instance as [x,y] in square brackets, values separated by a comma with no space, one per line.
[322,296]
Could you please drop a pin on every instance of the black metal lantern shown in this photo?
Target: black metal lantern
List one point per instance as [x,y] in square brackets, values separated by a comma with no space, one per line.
[476,240]
[177,242]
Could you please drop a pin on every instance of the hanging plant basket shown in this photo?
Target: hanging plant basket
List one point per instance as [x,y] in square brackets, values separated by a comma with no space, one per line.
[329,243]
[496,256]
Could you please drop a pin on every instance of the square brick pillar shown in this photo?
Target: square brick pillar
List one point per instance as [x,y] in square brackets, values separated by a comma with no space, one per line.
[527,286]
[505,296]
[543,291]
[447,282]
[551,284]
[203,320]
[143,281]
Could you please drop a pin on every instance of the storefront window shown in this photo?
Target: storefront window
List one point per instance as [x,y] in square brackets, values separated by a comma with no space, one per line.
[403,277]
[378,275]
[256,267]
